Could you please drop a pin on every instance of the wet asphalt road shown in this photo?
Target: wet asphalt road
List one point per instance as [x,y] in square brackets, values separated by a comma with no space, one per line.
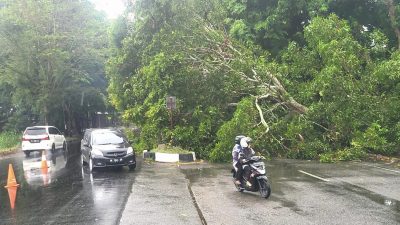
[66,194]
[344,193]
[303,192]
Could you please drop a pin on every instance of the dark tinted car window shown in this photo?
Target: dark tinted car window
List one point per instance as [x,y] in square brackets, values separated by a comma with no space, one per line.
[107,138]
[52,130]
[35,131]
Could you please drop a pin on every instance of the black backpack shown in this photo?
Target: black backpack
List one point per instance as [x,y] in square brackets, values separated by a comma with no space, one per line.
[238,138]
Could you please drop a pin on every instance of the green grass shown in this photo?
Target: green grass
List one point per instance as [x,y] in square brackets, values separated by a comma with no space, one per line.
[172,150]
[9,140]
[73,138]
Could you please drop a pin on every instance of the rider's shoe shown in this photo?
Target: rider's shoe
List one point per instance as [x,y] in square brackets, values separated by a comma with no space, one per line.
[248,183]
[238,182]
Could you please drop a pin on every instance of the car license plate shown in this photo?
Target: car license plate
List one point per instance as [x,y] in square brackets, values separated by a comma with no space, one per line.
[115,160]
[34,141]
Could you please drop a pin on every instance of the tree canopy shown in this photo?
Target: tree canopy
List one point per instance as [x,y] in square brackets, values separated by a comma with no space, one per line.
[305,79]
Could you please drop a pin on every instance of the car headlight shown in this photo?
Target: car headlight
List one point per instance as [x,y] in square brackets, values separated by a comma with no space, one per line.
[96,152]
[129,151]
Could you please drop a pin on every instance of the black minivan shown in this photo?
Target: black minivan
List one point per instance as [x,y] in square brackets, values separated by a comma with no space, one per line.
[107,147]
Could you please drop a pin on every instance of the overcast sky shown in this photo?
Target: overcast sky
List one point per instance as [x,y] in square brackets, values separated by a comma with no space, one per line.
[113,8]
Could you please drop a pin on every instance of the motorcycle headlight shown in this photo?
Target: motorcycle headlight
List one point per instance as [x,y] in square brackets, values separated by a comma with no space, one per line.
[129,151]
[96,152]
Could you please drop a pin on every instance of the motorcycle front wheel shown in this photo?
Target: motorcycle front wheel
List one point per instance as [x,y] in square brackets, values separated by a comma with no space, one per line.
[265,188]
[238,187]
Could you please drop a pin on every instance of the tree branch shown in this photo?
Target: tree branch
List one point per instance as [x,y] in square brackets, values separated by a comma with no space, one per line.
[263,122]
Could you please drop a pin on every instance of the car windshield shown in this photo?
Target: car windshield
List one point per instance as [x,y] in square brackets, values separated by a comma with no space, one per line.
[35,131]
[107,138]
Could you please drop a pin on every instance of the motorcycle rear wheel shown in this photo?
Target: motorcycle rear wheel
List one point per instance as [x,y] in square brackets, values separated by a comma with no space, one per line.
[265,188]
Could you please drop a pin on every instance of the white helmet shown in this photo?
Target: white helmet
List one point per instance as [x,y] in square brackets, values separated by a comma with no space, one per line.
[244,142]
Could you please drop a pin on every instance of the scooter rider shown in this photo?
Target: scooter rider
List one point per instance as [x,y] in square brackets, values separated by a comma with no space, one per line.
[240,152]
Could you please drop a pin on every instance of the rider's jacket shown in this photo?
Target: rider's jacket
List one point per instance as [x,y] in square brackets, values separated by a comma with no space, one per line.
[237,149]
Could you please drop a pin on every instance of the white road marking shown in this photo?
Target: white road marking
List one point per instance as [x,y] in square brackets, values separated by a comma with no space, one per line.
[315,176]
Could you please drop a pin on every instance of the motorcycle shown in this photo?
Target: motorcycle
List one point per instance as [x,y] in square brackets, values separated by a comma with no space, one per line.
[255,179]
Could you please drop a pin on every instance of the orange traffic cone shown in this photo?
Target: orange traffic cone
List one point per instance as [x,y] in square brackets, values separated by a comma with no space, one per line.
[11,181]
[11,186]
[45,169]
[44,160]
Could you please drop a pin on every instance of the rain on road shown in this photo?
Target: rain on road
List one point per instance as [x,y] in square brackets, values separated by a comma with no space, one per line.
[303,192]
[343,193]
[66,194]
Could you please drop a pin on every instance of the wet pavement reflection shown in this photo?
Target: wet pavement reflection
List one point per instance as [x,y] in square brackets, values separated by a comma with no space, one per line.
[55,189]
[329,192]
[63,192]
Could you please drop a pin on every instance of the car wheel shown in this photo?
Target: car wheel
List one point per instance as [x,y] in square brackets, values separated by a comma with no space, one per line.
[64,146]
[132,167]
[27,153]
[90,164]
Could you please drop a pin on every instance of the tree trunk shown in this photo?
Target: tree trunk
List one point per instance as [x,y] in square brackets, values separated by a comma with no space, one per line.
[45,115]
[392,16]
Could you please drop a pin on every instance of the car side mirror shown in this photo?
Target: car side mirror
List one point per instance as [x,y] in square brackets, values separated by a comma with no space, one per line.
[85,143]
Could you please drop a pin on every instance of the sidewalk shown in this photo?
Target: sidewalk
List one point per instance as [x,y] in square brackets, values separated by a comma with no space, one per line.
[159,195]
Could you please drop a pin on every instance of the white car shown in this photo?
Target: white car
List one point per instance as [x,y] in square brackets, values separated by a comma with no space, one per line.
[39,138]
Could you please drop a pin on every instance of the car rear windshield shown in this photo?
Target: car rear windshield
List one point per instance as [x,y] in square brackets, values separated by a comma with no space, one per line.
[35,131]
[107,138]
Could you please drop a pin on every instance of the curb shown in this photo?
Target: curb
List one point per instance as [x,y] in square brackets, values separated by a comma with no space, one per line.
[10,151]
[394,161]
[169,157]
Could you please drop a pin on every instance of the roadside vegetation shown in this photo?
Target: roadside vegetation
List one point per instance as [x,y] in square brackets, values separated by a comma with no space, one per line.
[305,79]
[9,141]
[51,63]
